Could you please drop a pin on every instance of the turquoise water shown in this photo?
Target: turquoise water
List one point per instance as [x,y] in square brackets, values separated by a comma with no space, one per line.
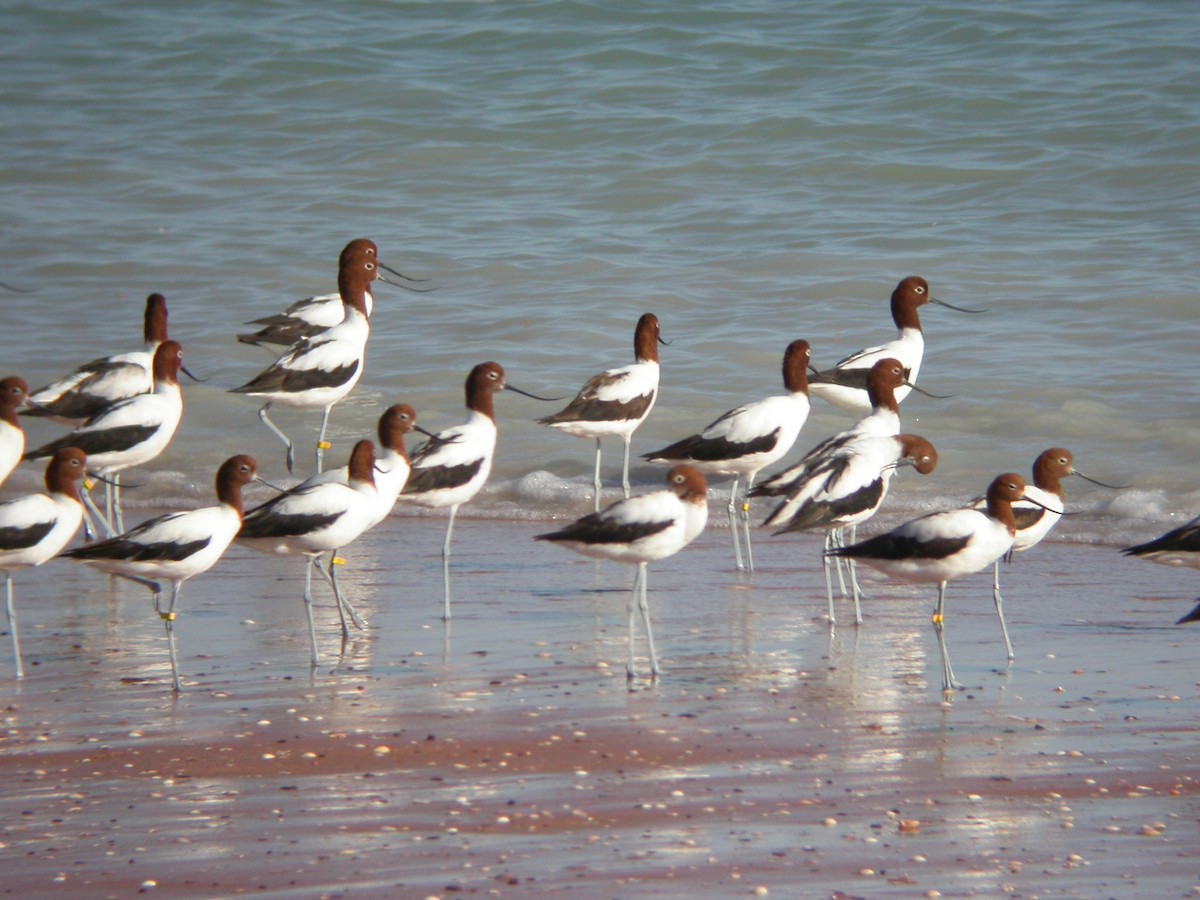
[750,173]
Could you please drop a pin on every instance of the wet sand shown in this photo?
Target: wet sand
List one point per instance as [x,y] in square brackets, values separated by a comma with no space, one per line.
[503,755]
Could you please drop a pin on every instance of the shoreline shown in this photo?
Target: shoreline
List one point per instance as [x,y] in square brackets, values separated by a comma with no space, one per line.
[503,755]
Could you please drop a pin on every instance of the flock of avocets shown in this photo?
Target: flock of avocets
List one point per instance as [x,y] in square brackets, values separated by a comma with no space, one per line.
[125,409]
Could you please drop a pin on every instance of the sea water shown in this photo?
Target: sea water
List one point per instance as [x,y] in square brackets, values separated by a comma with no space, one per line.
[750,172]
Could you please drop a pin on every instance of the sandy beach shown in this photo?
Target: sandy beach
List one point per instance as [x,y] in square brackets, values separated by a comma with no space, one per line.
[503,755]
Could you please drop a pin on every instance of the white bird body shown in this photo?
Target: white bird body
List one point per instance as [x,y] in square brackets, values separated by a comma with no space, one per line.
[133,431]
[312,314]
[97,385]
[172,547]
[848,486]
[34,528]
[451,467]
[845,488]
[844,385]
[13,394]
[1035,515]
[940,546]
[318,372]
[883,420]
[633,388]
[314,519]
[305,319]
[392,467]
[176,546]
[908,348]
[639,530]
[644,528]
[745,440]
[616,401]
[311,520]
[54,517]
[919,547]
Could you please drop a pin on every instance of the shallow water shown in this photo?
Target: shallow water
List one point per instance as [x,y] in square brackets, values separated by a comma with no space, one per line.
[504,754]
[752,174]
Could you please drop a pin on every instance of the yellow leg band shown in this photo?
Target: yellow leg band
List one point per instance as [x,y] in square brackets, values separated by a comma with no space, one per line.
[337,561]
[88,484]
[323,445]
[167,616]
[935,619]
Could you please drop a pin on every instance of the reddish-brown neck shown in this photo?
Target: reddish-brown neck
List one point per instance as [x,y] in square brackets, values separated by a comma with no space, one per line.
[167,360]
[1050,468]
[795,367]
[886,375]
[909,295]
[362,463]
[354,279]
[645,339]
[235,473]
[394,424]
[64,471]
[1001,495]
[154,323]
[483,382]
[13,391]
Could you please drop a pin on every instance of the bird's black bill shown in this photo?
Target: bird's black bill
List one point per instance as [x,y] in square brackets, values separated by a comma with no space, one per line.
[400,274]
[509,387]
[92,476]
[269,484]
[403,287]
[962,309]
[927,394]
[430,434]
[1193,616]
[185,371]
[1113,487]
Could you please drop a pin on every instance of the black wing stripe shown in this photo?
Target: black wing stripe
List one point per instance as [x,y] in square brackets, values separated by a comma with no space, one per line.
[593,529]
[436,478]
[14,538]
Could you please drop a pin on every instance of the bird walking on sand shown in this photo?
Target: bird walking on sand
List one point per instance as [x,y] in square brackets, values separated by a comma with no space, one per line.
[451,467]
[95,386]
[640,530]
[315,520]
[844,385]
[317,373]
[13,393]
[34,528]
[175,547]
[845,489]
[743,441]
[616,401]
[392,469]
[130,433]
[1036,515]
[944,545]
